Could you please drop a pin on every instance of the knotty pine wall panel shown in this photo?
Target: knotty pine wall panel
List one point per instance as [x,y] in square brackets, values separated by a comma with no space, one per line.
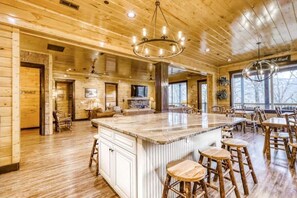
[6,133]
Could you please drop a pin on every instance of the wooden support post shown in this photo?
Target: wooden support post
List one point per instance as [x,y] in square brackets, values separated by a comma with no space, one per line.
[161,77]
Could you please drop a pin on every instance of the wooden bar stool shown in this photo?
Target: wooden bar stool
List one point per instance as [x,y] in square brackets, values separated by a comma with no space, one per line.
[94,154]
[240,147]
[227,132]
[185,172]
[222,158]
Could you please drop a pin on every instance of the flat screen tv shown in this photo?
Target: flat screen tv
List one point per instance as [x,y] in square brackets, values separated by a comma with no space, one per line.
[139,91]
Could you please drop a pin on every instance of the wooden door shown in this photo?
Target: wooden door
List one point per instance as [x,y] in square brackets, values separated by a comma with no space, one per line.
[30,86]
[202,95]
[111,95]
[64,98]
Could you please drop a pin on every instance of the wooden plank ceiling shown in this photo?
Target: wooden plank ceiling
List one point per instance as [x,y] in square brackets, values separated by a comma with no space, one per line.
[230,29]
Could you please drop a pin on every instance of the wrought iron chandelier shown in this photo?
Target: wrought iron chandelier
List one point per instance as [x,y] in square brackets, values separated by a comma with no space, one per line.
[260,70]
[158,47]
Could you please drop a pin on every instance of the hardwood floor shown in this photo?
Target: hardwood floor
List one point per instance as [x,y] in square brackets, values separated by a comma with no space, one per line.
[57,166]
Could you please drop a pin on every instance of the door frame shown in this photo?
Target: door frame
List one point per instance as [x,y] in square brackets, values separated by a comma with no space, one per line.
[72,83]
[117,93]
[42,94]
[199,105]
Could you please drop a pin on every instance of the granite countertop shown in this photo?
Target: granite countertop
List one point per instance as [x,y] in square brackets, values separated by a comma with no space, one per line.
[164,128]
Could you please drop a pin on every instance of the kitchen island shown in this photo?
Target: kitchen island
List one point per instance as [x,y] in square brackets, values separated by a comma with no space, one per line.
[134,150]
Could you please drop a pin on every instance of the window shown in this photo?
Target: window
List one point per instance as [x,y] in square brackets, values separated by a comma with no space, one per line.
[177,93]
[279,91]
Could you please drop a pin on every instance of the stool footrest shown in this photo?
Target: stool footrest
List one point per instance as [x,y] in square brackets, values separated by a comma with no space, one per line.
[230,191]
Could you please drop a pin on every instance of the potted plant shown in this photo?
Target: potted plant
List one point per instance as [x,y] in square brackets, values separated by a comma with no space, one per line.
[223,81]
[222,94]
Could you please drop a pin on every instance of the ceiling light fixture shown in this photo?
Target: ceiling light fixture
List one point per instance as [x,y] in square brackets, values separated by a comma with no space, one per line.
[207,50]
[229,60]
[158,47]
[260,70]
[131,14]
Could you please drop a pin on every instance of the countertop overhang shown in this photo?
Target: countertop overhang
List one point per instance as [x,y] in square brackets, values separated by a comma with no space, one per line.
[164,128]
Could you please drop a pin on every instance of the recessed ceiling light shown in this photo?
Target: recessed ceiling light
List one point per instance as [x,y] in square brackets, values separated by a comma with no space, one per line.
[207,49]
[229,59]
[131,14]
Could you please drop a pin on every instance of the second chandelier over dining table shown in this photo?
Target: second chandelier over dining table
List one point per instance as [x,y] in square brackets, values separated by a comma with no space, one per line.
[164,46]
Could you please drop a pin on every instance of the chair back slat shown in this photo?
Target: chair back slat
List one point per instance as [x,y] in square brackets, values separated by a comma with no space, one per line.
[291,120]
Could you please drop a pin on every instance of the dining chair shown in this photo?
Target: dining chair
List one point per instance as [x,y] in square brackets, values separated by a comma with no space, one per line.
[279,139]
[278,112]
[291,120]
[252,121]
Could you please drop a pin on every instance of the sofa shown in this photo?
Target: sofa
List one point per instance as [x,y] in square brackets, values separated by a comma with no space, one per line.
[99,113]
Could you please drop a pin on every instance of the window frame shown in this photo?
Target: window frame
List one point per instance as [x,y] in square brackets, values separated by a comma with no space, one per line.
[285,66]
[178,82]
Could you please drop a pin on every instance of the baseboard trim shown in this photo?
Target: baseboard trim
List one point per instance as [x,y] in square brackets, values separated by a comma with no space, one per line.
[9,168]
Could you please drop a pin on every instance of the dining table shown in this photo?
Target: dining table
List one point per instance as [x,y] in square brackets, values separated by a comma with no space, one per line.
[270,125]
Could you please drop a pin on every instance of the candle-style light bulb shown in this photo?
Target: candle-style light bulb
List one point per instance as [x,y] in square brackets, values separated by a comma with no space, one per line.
[173,49]
[182,43]
[146,51]
[144,32]
[161,52]
[164,30]
[134,40]
[136,48]
[179,35]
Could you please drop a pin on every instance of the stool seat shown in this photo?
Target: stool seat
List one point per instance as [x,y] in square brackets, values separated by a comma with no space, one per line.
[186,170]
[216,153]
[235,142]
[96,137]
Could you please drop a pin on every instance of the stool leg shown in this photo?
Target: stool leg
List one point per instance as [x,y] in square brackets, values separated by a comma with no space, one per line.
[182,187]
[204,188]
[195,189]
[97,161]
[92,153]
[242,172]
[249,161]
[166,186]
[188,192]
[208,170]
[293,158]
[232,177]
[287,149]
[221,178]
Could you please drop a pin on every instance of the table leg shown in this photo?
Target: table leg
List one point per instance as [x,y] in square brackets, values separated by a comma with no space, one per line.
[268,143]
[265,139]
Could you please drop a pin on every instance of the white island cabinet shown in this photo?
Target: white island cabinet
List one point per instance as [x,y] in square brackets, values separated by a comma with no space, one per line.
[117,162]
[134,150]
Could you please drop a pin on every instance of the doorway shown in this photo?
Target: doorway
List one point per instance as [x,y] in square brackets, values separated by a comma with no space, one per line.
[65,97]
[32,98]
[111,95]
[202,95]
